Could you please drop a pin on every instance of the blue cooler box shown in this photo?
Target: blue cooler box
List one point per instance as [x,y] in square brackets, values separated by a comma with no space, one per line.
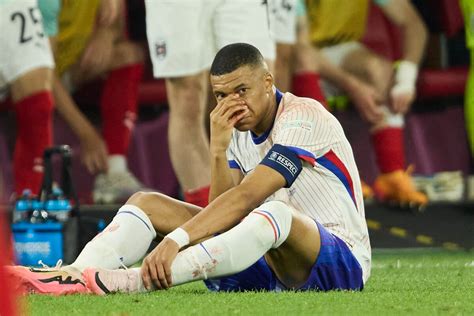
[34,242]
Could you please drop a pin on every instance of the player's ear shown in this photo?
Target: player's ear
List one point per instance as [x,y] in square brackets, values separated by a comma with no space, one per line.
[268,81]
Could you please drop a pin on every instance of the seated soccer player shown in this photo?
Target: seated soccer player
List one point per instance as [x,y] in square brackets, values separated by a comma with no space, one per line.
[286,208]
[26,68]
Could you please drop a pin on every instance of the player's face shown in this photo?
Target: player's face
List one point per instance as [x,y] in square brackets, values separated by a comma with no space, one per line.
[254,86]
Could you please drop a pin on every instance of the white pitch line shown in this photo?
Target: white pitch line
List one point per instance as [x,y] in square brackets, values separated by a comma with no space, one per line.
[405,265]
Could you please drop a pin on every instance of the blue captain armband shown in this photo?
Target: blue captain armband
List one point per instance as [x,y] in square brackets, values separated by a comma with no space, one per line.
[281,159]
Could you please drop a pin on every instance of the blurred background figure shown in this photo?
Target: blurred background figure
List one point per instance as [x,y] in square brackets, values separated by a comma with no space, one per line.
[467,7]
[89,43]
[7,288]
[468,10]
[7,299]
[26,74]
[381,91]
[183,37]
[296,66]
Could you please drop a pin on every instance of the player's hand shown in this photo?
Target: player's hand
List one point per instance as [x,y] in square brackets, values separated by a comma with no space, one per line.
[94,152]
[156,268]
[400,102]
[97,55]
[223,118]
[365,98]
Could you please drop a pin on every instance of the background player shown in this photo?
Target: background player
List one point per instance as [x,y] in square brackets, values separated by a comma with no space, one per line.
[381,95]
[89,45]
[26,71]
[296,68]
[182,44]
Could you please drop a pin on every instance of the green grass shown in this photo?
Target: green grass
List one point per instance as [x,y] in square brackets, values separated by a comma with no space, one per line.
[403,282]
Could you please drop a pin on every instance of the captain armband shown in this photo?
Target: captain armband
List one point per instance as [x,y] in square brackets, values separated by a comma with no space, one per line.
[285,162]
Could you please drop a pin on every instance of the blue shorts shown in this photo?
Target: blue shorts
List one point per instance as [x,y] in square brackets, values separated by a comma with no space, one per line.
[336,268]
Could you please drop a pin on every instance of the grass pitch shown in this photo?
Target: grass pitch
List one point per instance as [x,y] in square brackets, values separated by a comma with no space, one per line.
[417,282]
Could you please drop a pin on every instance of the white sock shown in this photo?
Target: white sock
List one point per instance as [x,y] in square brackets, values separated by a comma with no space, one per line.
[264,228]
[235,250]
[122,243]
[117,163]
[392,119]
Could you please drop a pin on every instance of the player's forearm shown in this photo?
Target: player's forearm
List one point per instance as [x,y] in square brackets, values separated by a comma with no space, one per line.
[222,214]
[232,206]
[404,14]
[68,110]
[221,178]
[414,41]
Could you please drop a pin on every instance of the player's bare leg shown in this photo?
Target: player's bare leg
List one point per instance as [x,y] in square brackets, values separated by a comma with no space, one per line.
[394,183]
[284,66]
[305,79]
[32,82]
[293,260]
[118,103]
[188,141]
[165,213]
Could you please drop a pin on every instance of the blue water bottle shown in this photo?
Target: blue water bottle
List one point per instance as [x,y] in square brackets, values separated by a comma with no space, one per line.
[57,206]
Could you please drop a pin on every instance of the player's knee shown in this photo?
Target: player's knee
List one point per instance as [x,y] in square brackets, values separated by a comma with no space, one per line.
[135,197]
[32,82]
[279,216]
[143,200]
[149,202]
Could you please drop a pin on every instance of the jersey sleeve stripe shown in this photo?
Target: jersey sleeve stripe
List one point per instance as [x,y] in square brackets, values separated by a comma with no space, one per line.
[303,154]
[331,162]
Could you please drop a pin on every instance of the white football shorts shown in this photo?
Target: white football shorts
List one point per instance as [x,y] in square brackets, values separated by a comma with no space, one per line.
[185,35]
[283,19]
[24,46]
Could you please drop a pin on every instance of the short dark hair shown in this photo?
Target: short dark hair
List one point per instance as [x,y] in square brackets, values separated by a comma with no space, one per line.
[234,56]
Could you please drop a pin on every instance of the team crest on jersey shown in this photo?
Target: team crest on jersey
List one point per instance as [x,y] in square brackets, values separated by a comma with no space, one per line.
[160,49]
